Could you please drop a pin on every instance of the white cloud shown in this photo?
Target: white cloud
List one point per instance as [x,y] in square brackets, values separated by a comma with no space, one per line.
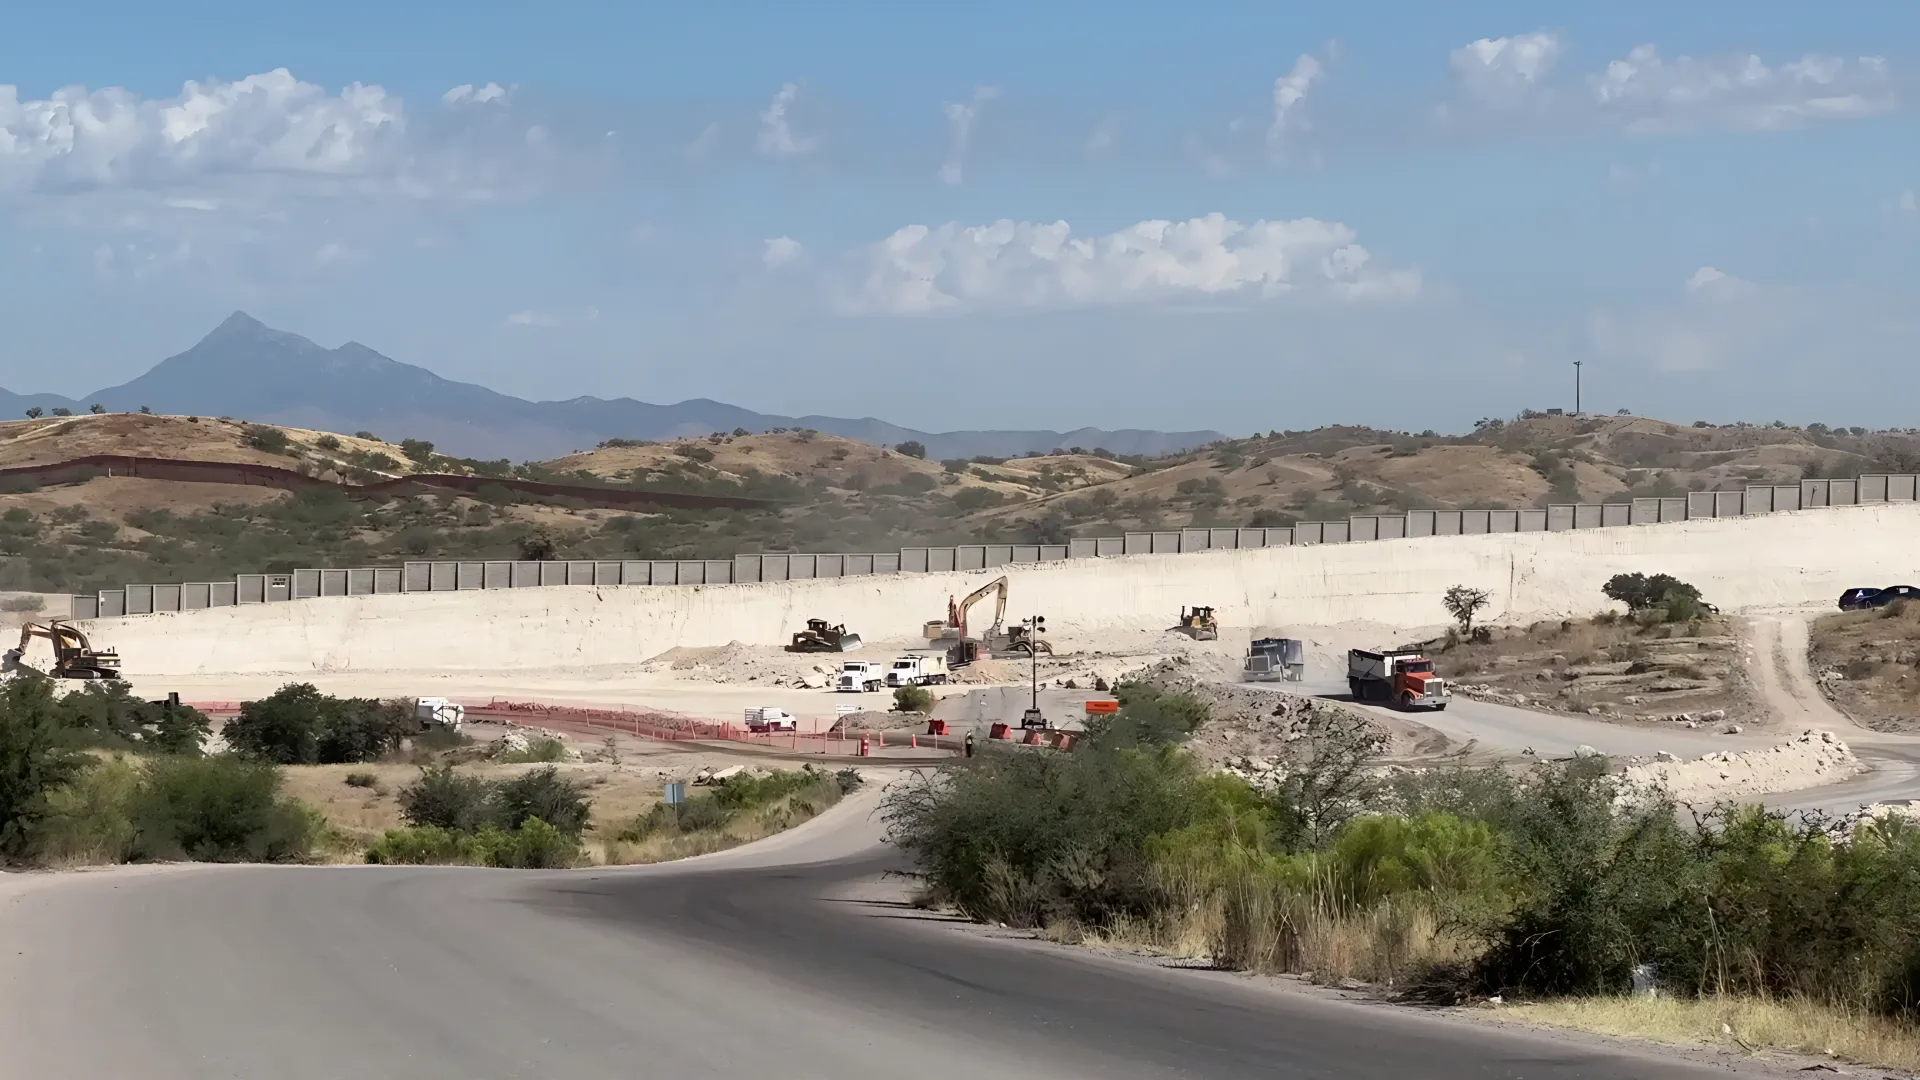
[269,132]
[201,205]
[960,119]
[779,251]
[776,130]
[1289,93]
[1019,265]
[1717,321]
[1506,69]
[1651,94]
[468,94]
[550,319]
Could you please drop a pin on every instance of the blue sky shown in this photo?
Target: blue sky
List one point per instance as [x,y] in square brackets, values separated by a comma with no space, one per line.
[990,215]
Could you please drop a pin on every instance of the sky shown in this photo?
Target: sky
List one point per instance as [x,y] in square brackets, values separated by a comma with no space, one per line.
[1206,215]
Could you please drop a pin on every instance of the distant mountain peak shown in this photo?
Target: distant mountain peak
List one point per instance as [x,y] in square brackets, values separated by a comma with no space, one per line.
[238,323]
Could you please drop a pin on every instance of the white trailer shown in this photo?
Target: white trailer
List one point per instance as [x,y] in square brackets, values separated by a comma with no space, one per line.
[858,677]
[918,669]
[768,719]
[439,712]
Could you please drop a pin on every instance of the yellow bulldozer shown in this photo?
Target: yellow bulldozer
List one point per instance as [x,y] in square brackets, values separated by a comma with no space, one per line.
[1199,624]
[819,637]
[74,657]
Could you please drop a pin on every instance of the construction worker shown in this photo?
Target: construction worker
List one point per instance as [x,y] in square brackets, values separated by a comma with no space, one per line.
[969,742]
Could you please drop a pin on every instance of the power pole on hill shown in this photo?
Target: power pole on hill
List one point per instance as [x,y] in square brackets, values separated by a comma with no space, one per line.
[1576,386]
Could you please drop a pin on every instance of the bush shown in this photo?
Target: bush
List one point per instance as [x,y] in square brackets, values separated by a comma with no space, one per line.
[913,699]
[912,448]
[543,795]
[35,758]
[299,725]
[266,439]
[362,779]
[1641,592]
[327,442]
[418,451]
[538,750]
[536,845]
[444,799]
[87,821]
[219,809]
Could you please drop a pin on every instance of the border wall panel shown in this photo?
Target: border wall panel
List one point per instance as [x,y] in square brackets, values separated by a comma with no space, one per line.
[223,594]
[525,575]
[250,588]
[1053,552]
[1813,493]
[1423,523]
[1393,527]
[333,582]
[496,574]
[360,581]
[1364,527]
[1024,553]
[578,572]
[886,563]
[1901,487]
[1223,539]
[1251,538]
[1531,521]
[443,576]
[1334,532]
[996,555]
[112,603]
[942,560]
[1476,522]
[1164,543]
[1700,504]
[830,566]
[279,587]
[1196,540]
[664,573]
[799,567]
[780,567]
[719,572]
[1503,521]
[1107,547]
[913,560]
[1786,497]
[1083,548]
[692,572]
[1673,508]
[306,584]
[1589,516]
[1871,488]
[857,565]
[608,573]
[418,576]
[1843,493]
[1616,514]
[1729,503]
[1310,532]
[640,571]
[196,596]
[1757,500]
[166,598]
[1644,512]
[1560,517]
[84,606]
[551,573]
[970,557]
[139,599]
[388,580]
[1139,543]
[469,575]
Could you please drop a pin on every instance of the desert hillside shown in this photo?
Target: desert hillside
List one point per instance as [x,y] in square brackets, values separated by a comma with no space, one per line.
[829,493]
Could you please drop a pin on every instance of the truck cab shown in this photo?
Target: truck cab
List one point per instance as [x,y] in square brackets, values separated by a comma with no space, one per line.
[1402,677]
[857,677]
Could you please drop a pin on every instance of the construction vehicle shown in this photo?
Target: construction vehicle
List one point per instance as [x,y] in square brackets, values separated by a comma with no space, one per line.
[1274,659]
[74,657]
[768,719]
[819,637]
[1402,677]
[858,677]
[1020,641]
[918,669]
[955,626]
[1199,624]
[438,712]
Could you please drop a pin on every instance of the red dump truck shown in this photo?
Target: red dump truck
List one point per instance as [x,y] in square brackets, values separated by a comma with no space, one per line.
[1402,677]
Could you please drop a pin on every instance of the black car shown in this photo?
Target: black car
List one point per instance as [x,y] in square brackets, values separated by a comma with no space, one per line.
[1855,599]
[1895,592]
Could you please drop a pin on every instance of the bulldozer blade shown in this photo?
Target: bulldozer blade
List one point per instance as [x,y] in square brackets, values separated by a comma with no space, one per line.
[849,642]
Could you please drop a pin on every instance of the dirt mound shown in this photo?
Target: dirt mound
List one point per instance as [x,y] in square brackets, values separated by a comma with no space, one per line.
[1256,731]
[871,720]
[1809,759]
[737,662]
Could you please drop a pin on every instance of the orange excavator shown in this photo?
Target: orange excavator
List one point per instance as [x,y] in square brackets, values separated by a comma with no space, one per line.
[74,657]
[966,649]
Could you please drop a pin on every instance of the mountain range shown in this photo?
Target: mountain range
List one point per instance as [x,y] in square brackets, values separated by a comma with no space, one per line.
[249,371]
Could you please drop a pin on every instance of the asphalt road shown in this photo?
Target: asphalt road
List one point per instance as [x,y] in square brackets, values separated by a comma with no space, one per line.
[749,964]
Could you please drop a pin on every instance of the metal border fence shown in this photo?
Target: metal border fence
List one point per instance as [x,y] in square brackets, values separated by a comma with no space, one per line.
[414,577]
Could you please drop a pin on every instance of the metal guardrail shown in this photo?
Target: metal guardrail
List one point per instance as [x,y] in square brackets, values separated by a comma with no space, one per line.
[741,569]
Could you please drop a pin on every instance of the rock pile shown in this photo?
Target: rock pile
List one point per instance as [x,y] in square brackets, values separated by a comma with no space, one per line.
[1809,759]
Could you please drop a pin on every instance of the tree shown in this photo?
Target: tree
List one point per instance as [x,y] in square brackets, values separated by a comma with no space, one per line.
[96,408]
[913,449]
[1463,603]
[1641,592]
[538,546]
[146,410]
[35,412]
[419,451]
[62,411]
[34,757]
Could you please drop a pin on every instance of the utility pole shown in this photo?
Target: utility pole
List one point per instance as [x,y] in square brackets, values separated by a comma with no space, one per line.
[1036,625]
[1576,386]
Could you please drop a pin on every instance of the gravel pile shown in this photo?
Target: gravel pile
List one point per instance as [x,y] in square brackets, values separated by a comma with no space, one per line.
[1256,732]
[1810,759]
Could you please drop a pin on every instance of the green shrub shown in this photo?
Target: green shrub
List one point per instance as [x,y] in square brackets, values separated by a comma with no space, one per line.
[538,750]
[1641,592]
[914,699]
[536,845]
[299,725]
[219,809]
[425,845]
[88,820]
[444,799]
[35,758]
[269,440]
[362,779]
[543,795]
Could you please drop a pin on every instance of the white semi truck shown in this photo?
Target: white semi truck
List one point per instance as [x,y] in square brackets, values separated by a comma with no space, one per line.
[918,669]
[859,677]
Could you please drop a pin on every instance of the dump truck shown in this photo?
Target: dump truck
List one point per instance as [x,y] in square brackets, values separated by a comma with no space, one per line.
[438,712]
[918,669]
[74,656]
[1274,659]
[767,719]
[1402,677]
[1199,624]
[819,637]
[858,677]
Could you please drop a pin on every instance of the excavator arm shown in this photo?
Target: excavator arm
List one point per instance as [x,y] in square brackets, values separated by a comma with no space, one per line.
[997,586]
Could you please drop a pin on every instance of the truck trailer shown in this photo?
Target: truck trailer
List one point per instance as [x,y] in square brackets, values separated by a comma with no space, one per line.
[1402,677]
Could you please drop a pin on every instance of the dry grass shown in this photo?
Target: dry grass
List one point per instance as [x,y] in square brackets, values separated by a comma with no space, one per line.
[1797,1026]
[361,815]
[1876,658]
[745,828]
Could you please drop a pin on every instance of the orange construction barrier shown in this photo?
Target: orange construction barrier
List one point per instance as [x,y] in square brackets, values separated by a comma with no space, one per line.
[997,731]
[936,727]
[1094,707]
[866,748]
[1032,739]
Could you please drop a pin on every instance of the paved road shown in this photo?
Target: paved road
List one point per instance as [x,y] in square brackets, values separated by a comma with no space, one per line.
[750,964]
